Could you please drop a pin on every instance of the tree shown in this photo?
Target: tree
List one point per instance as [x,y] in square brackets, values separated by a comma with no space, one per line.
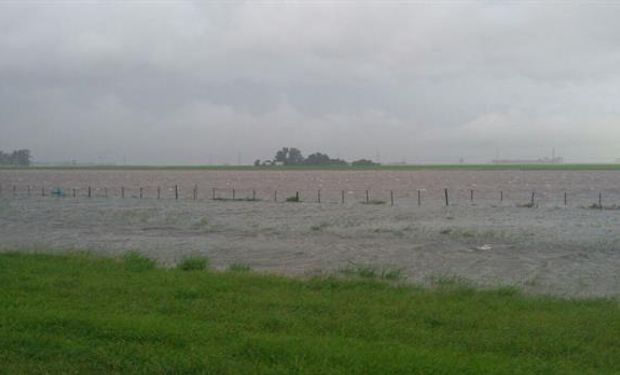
[338,162]
[16,158]
[364,163]
[289,156]
[22,157]
[294,157]
[317,159]
[281,156]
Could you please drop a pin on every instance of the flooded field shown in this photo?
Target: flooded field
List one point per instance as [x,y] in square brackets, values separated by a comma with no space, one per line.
[550,187]
[569,250]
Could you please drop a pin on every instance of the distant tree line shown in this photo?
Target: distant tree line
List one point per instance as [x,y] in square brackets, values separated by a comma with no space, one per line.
[293,156]
[19,158]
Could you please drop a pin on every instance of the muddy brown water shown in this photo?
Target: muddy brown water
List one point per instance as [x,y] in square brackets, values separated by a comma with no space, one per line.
[549,187]
[550,248]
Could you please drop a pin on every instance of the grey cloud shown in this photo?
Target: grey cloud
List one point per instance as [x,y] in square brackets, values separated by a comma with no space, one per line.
[193,82]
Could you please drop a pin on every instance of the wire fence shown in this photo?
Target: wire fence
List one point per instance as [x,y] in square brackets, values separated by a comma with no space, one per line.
[609,198]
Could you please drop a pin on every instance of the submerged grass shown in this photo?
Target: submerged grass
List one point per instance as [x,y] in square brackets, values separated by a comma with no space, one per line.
[247,199]
[81,314]
[373,202]
[193,263]
[370,271]
[239,267]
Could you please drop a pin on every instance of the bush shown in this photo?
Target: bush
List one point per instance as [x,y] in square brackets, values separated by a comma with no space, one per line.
[193,263]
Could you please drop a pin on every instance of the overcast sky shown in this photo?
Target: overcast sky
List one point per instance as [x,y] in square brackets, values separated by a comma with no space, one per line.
[173,82]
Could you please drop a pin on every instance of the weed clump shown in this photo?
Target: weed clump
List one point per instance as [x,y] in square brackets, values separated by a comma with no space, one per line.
[239,267]
[596,206]
[451,283]
[374,202]
[319,227]
[193,263]
[371,272]
[294,198]
[136,262]
[248,199]
[528,205]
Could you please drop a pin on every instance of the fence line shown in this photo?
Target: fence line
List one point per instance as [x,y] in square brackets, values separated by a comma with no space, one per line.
[419,196]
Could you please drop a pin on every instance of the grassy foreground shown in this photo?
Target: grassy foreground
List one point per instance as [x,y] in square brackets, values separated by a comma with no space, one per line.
[78,313]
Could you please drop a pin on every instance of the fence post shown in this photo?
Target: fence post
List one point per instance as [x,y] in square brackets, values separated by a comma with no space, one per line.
[533,198]
[275,195]
[565,199]
[159,192]
[367,197]
[600,200]
[195,191]
[342,197]
[213,193]
[501,196]
[446,194]
[74,192]
[176,192]
[319,195]
[233,191]
[391,198]
[471,195]
[141,190]
[419,198]
[297,196]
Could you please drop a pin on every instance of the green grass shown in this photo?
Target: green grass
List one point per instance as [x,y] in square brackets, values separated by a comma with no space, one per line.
[414,167]
[134,261]
[81,314]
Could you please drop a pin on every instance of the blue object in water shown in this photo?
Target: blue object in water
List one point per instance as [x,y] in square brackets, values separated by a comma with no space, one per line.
[59,192]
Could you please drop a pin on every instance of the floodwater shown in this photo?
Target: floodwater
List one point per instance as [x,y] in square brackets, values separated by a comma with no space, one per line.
[547,247]
[549,187]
